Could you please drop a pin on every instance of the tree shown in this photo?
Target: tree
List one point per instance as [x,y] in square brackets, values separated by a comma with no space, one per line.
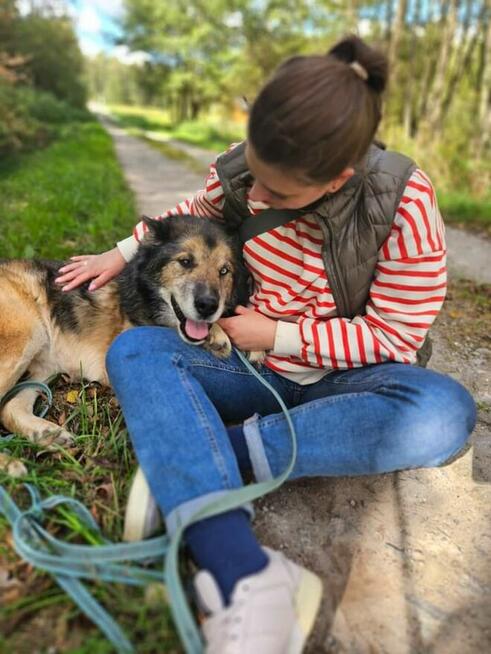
[484,135]
[55,63]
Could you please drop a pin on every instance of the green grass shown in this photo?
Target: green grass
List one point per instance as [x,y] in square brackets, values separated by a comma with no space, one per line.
[172,152]
[97,471]
[465,210]
[214,133]
[69,198]
[66,199]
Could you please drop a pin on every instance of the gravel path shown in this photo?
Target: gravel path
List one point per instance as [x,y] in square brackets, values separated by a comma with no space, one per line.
[405,557]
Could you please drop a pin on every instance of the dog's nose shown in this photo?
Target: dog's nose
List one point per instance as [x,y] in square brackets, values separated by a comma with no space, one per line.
[206,305]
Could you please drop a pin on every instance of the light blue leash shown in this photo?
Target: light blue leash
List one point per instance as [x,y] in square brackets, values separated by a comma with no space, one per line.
[69,563]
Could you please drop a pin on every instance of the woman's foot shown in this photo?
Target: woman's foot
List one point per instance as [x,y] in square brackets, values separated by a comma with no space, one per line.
[271,612]
[142,517]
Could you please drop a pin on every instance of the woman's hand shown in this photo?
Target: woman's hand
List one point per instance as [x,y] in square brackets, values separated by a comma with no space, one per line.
[100,268]
[249,330]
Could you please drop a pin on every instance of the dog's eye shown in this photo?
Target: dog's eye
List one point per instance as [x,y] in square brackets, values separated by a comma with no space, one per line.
[185,263]
[224,270]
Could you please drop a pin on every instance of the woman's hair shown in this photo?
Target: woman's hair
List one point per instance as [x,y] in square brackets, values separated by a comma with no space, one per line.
[318,114]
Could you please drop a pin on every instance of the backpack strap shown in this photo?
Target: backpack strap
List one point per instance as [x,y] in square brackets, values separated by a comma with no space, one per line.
[266,220]
[234,177]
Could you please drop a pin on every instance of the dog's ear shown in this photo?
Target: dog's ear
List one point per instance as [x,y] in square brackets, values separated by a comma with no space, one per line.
[158,231]
[243,285]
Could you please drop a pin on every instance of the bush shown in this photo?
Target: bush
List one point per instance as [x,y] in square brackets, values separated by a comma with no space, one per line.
[48,109]
[29,118]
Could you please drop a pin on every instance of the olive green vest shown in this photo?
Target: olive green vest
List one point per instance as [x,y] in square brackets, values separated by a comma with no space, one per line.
[355,221]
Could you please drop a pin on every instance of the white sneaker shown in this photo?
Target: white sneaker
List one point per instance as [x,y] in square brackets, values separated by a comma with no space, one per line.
[142,518]
[271,612]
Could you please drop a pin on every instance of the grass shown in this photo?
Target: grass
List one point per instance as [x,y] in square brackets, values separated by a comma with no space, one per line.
[69,198]
[176,154]
[213,133]
[96,471]
[466,211]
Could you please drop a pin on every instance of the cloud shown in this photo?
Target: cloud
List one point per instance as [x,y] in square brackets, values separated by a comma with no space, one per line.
[88,20]
[90,48]
[123,54]
[112,8]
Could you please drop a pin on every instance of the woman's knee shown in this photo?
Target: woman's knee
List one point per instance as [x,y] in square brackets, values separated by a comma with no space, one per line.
[138,342]
[447,416]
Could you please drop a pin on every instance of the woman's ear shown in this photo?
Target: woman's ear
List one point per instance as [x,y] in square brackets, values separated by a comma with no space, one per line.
[339,181]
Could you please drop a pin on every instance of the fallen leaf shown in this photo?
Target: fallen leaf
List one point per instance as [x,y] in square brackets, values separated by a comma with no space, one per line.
[6,581]
[72,397]
[10,595]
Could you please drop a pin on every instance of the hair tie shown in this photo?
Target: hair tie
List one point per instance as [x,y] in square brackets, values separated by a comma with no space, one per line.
[359,70]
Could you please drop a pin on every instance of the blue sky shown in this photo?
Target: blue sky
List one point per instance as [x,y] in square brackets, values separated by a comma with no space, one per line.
[96,23]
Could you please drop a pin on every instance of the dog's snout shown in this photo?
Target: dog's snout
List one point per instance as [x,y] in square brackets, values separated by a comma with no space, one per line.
[206,304]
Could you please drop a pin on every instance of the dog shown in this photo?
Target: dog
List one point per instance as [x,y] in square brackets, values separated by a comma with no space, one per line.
[188,272]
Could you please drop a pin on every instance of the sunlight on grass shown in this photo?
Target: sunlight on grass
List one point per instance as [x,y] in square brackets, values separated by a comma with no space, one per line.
[212,133]
[65,199]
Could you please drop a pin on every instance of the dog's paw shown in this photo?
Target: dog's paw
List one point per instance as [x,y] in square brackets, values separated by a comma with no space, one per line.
[256,356]
[53,439]
[218,343]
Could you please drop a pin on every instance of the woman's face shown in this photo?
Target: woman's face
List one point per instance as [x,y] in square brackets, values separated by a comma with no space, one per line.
[281,190]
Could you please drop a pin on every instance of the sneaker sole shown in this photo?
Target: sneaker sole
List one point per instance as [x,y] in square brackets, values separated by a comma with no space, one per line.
[307,601]
[139,521]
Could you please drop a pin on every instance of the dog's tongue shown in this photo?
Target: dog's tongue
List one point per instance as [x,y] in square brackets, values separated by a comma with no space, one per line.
[196,330]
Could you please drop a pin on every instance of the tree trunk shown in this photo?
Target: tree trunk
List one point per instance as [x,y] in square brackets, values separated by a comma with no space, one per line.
[435,102]
[463,56]
[411,88]
[484,141]
[351,13]
[389,14]
[397,33]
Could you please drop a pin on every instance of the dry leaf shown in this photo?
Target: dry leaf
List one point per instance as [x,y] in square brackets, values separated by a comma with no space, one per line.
[72,397]
[6,581]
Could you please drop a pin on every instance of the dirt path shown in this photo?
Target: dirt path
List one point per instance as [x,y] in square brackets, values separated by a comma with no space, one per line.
[405,557]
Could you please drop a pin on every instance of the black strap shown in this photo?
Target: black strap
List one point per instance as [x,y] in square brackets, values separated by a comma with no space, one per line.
[266,220]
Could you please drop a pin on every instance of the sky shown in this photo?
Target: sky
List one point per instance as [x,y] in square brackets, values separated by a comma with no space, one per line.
[96,25]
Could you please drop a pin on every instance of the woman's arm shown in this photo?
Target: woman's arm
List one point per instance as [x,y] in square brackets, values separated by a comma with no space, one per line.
[101,268]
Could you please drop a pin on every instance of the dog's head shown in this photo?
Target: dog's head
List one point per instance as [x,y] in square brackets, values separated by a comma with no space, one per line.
[190,273]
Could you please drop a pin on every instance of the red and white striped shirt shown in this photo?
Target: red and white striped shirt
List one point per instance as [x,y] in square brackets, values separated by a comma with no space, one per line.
[292,287]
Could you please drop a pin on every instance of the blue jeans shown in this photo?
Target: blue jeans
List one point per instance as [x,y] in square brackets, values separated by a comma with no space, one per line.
[177,398]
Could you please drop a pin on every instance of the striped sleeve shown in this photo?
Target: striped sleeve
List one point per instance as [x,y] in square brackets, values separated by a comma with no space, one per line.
[405,296]
[206,203]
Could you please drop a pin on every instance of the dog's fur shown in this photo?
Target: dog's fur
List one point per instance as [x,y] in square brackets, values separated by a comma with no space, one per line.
[187,273]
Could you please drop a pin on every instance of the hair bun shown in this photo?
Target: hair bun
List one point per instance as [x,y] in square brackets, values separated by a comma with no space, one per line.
[352,50]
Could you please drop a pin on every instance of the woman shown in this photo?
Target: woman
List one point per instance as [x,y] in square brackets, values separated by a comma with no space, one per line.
[346,288]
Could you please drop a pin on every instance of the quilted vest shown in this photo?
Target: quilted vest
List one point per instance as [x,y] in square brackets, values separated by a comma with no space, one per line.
[355,221]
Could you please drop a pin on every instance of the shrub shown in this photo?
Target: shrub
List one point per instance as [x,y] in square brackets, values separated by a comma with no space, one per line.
[30,118]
